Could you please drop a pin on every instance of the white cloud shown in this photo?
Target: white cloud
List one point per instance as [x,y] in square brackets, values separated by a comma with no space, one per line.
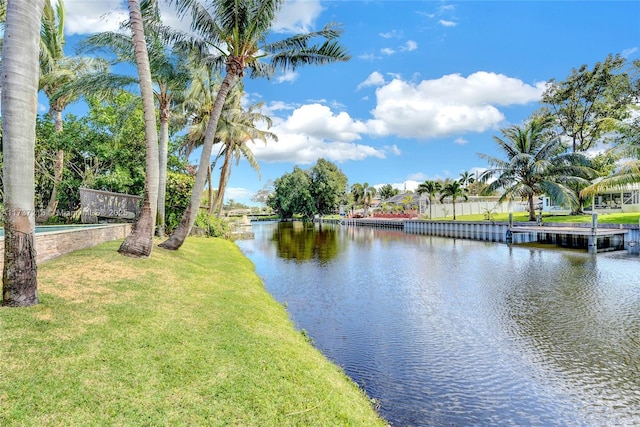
[446,23]
[461,141]
[288,76]
[367,57]
[409,46]
[313,131]
[297,16]
[628,52]
[237,194]
[374,79]
[393,149]
[447,106]
[88,17]
[391,34]
[387,51]
[320,122]
[418,176]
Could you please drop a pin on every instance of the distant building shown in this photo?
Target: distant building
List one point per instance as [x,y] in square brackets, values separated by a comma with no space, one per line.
[625,200]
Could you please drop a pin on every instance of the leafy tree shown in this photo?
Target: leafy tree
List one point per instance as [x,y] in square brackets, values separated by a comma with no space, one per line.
[19,81]
[261,196]
[430,188]
[588,100]
[57,71]
[239,32]
[292,195]
[387,191]
[536,163]
[454,190]
[170,76]
[139,243]
[178,190]
[627,148]
[328,187]
[116,160]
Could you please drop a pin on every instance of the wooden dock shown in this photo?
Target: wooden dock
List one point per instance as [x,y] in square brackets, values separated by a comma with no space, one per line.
[598,239]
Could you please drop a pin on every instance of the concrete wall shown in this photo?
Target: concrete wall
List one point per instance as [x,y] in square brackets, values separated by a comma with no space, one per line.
[53,244]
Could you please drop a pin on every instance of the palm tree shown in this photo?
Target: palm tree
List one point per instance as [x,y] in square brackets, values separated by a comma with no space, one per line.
[536,163]
[466,178]
[431,188]
[454,190]
[19,81]
[170,75]
[139,243]
[237,31]
[357,192]
[629,171]
[369,194]
[56,72]
[236,128]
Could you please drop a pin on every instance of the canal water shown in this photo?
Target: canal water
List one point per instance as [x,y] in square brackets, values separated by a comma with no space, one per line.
[452,332]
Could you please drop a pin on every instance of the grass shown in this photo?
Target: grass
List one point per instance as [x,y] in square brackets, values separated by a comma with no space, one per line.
[608,218]
[183,338]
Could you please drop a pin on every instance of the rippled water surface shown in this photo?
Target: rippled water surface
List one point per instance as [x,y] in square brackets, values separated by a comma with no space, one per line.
[456,332]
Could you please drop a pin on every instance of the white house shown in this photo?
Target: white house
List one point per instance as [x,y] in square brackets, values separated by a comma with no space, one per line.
[625,200]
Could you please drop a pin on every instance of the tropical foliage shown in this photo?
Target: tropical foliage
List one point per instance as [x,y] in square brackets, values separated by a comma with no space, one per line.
[453,190]
[536,162]
[316,191]
[238,30]
[431,189]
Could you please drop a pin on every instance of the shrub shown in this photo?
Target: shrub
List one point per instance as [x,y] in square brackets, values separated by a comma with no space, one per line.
[213,225]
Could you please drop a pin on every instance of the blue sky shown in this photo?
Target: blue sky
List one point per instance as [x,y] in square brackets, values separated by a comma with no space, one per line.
[428,86]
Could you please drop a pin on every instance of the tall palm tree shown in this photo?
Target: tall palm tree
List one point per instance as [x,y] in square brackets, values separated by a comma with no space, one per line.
[170,75]
[236,128]
[19,81]
[466,178]
[536,163]
[56,72]
[139,243]
[357,193]
[369,194]
[453,190]
[430,188]
[237,33]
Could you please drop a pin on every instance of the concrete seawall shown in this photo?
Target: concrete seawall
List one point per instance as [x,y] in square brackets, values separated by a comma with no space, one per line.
[487,230]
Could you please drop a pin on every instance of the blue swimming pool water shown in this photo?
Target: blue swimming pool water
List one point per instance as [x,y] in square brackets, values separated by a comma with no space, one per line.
[55,228]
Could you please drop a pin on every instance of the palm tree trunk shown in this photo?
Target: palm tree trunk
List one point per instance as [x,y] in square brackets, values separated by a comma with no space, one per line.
[162,170]
[19,81]
[222,184]
[188,218]
[532,209]
[210,190]
[139,243]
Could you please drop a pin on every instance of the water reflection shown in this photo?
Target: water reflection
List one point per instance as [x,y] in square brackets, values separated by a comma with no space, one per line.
[458,332]
[303,241]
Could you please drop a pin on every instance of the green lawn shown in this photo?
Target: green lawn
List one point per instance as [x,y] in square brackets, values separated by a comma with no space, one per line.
[609,218]
[186,338]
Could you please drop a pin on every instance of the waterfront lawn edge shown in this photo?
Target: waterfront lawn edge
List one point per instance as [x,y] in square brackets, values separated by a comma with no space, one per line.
[187,337]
